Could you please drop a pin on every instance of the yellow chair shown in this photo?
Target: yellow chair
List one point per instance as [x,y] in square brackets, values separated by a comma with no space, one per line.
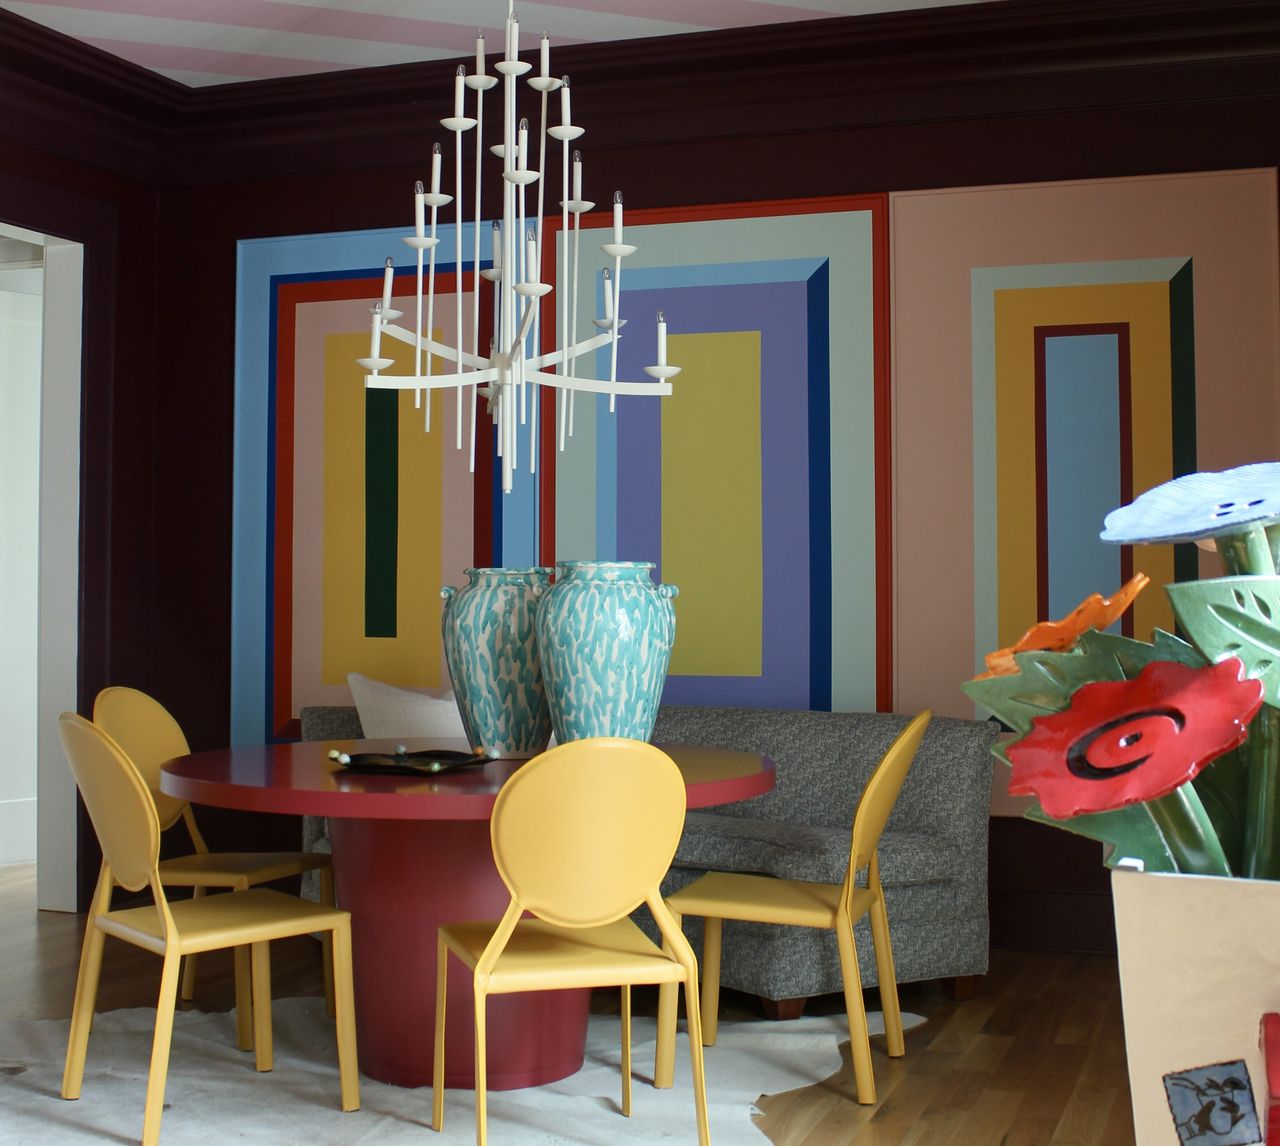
[718,896]
[128,829]
[582,835]
[149,736]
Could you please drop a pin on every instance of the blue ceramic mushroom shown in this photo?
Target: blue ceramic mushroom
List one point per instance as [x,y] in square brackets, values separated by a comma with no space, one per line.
[1198,506]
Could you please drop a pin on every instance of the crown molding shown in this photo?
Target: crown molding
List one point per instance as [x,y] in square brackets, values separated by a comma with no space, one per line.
[983,60]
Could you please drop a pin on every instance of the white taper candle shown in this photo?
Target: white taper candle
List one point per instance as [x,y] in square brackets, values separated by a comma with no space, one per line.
[545,57]
[608,295]
[435,169]
[458,90]
[531,257]
[419,210]
[577,175]
[479,52]
[617,216]
[565,119]
[388,277]
[375,335]
[662,340]
[497,249]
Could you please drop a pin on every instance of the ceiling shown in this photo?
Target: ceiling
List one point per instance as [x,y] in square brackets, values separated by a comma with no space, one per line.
[203,42]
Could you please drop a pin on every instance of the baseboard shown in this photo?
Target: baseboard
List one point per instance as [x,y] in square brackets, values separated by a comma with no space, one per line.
[18,831]
[1048,889]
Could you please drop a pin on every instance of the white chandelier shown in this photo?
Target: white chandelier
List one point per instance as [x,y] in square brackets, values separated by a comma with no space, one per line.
[511,369]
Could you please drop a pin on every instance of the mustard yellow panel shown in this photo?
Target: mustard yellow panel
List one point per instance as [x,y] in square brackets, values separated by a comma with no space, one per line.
[712,513]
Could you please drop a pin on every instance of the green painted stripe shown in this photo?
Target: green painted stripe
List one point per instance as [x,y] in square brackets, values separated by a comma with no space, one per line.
[381,489]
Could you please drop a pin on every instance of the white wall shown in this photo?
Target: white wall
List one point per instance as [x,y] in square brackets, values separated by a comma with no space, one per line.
[20,323]
[59,608]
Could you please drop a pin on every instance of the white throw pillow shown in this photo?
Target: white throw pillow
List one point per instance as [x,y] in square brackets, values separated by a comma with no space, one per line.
[387,712]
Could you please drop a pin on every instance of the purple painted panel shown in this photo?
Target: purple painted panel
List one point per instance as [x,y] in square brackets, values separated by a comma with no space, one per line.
[779,311]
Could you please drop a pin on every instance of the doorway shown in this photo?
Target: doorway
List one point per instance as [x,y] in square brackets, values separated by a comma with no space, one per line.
[41,305]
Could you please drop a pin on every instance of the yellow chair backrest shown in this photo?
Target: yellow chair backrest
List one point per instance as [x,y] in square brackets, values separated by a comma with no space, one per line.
[117,799]
[881,792]
[584,832]
[149,735]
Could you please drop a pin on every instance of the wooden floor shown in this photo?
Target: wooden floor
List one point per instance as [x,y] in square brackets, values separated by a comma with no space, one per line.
[1036,1058]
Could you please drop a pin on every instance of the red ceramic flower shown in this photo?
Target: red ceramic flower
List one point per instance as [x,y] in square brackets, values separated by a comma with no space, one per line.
[1126,741]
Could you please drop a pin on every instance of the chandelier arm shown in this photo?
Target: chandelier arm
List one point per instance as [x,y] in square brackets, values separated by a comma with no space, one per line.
[439,349]
[563,355]
[600,386]
[430,382]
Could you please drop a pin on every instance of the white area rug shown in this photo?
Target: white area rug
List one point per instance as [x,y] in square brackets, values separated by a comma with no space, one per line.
[214,1094]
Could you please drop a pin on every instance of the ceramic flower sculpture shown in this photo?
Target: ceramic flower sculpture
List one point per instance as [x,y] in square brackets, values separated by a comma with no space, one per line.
[1167,750]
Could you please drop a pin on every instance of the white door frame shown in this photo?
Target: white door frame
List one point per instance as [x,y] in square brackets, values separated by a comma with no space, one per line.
[59,592]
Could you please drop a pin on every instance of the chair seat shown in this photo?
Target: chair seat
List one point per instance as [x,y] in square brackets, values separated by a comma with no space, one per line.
[229,869]
[543,957]
[233,919]
[763,899]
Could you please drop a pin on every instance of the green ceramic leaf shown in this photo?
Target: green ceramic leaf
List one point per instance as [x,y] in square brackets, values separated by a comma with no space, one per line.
[1234,617]
[1045,680]
[1133,656]
[1223,792]
[1130,832]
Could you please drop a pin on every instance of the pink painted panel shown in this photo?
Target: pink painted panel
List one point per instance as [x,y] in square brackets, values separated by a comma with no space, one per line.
[1225,221]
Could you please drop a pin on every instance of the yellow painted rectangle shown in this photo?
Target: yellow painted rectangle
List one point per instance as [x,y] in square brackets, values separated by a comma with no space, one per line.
[412,657]
[712,528]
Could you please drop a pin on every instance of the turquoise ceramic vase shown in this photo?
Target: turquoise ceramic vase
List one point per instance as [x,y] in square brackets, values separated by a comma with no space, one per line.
[492,651]
[605,632]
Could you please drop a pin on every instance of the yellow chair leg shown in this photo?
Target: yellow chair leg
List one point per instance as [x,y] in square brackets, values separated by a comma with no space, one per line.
[888,980]
[664,1054]
[326,939]
[345,1016]
[189,966]
[263,1052]
[859,1041]
[437,1074]
[244,1004]
[712,936]
[160,1049]
[696,1035]
[482,1110]
[626,1050]
[82,1010]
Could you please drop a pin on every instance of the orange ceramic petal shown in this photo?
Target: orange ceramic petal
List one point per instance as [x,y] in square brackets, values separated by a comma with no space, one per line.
[1094,612]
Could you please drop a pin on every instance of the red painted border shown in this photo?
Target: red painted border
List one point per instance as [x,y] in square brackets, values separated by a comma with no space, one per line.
[882,403]
[1124,386]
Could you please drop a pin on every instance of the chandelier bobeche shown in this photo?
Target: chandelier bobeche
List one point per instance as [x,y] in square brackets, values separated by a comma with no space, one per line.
[511,369]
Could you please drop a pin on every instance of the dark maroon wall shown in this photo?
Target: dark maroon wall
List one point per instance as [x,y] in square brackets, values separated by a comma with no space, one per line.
[161,181]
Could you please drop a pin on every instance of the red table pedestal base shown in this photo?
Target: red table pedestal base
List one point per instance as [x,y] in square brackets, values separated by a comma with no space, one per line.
[401,879]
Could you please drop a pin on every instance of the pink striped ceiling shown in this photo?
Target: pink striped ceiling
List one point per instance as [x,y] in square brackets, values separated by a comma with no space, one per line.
[201,42]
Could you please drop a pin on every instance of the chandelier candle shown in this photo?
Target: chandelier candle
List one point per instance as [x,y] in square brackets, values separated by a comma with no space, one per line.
[512,373]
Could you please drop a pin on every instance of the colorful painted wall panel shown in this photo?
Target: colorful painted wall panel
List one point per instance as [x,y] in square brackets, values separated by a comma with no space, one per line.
[348,517]
[761,486]
[1059,347]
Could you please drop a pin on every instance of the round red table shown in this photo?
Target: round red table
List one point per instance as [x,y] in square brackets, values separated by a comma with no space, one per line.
[412,853]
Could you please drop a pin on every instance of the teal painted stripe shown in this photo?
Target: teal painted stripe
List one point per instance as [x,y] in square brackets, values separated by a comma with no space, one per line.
[381,510]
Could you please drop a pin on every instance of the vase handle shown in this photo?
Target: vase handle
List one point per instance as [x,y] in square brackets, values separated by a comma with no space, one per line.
[448,591]
[669,592]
